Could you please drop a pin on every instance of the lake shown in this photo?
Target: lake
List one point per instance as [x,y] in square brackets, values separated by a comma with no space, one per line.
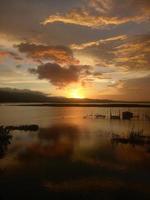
[72,156]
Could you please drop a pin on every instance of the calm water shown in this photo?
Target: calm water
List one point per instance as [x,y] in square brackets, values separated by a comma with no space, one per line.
[72,157]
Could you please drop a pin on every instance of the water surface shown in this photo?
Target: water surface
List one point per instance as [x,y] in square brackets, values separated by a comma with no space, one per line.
[73,157]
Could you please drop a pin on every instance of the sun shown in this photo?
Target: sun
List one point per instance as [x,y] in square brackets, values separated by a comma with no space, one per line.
[76,93]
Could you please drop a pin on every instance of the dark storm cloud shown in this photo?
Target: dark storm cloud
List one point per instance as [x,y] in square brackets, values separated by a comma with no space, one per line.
[59,54]
[59,76]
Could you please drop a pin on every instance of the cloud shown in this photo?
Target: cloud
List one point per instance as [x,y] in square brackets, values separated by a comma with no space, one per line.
[122,10]
[98,34]
[97,43]
[84,18]
[58,75]
[102,51]
[56,141]
[135,89]
[24,27]
[122,52]
[24,22]
[101,6]
[4,54]
[59,54]
[100,13]
[134,54]
[27,27]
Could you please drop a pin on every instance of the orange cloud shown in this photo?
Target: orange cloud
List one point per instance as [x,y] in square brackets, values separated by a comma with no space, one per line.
[134,54]
[123,52]
[8,53]
[84,18]
[59,54]
[3,53]
[97,43]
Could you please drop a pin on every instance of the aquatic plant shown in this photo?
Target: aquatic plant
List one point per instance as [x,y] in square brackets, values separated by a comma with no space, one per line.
[5,140]
[32,127]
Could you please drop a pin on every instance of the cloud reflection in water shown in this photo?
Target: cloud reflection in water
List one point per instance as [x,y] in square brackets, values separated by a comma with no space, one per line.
[65,157]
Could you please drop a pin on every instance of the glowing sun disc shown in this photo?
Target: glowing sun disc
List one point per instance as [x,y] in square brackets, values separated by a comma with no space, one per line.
[76,93]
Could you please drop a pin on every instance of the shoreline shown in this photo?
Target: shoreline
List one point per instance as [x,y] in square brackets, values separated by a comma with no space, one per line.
[80,105]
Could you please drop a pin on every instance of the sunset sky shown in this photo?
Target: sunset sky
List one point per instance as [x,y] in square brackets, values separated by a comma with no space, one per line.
[76,48]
